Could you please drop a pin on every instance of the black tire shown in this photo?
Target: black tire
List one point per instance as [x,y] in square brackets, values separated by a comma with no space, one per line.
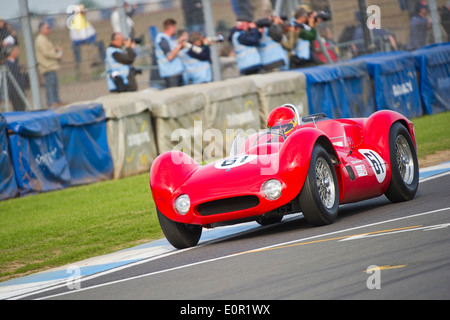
[319,197]
[404,165]
[180,235]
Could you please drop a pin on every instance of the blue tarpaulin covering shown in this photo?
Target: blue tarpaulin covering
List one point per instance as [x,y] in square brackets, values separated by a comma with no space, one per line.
[340,90]
[433,66]
[325,91]
[357,88]
[37,151]
[395,82]
[8,185]
[86,143]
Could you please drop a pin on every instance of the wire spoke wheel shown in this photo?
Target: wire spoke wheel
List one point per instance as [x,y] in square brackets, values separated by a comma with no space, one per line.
[325,183]
[319,197]
[404,165]
[404,159]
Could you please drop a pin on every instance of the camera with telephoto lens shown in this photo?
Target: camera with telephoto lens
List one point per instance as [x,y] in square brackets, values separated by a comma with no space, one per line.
[196,49]
[263,23]
[139,40]
[218,38]
[324,15]
[193,47]
[134,71]
[267,22]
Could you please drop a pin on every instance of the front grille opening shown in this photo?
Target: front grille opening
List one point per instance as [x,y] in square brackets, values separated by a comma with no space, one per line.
[228,205]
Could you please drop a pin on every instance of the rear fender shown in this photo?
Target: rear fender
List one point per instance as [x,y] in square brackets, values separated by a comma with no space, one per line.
[377,127]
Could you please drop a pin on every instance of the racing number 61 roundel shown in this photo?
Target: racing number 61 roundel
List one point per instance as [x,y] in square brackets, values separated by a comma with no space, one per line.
[234,162]
[376,162]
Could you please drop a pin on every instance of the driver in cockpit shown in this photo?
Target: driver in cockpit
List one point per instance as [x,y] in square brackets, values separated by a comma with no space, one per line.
[284,119]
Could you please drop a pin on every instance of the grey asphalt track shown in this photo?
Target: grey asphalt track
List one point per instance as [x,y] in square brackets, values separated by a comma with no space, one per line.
[375,250]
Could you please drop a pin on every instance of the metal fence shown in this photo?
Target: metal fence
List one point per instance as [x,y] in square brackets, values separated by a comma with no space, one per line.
[81,76]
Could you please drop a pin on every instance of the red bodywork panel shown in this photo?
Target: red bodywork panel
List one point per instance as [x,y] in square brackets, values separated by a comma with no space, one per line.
[359,150]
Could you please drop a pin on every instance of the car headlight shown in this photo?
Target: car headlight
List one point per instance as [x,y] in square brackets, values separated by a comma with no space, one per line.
[183,204]
[272,189]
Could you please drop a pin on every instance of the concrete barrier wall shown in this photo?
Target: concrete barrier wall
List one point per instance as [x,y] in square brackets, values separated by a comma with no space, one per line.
[131,137]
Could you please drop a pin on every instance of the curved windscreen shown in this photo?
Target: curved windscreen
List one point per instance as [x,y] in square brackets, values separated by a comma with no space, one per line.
[246,141]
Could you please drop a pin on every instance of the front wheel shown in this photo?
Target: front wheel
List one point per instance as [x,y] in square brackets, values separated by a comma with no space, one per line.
[319,198]
[404,165]
[180,235]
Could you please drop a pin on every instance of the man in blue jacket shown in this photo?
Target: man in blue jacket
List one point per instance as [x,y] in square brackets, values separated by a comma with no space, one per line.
[196,57]
[167,49]
[120,56]
[245,38]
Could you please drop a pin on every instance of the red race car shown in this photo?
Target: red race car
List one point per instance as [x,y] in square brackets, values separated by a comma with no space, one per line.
[309,165]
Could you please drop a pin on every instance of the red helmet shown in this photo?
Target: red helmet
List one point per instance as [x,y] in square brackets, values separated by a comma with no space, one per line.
[283,118]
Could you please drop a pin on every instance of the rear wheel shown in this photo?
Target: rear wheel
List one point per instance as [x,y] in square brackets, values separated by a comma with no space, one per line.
[180,235]
[404,165]
[319,198]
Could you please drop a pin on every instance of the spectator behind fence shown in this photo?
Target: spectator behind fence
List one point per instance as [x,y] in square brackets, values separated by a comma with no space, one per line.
[445,18]
[120,55]
[48,57]
[245,40]
[196,57]
[84,42]
[379,36]
[7,34]
[12,53]
[272,54]
[243,8]
[327,40]
[289,40]
[167,49]
[418,29]
[193,16]
[115,20]
[305,22]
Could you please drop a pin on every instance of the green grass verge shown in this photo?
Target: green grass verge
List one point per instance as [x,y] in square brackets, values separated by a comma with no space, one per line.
[432,133]
[57,228]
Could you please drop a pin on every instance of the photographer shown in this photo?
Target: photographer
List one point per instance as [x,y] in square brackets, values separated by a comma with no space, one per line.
[196,57]
[245,40]
[166,50]
[271,51]
[120,56]
[305,22]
